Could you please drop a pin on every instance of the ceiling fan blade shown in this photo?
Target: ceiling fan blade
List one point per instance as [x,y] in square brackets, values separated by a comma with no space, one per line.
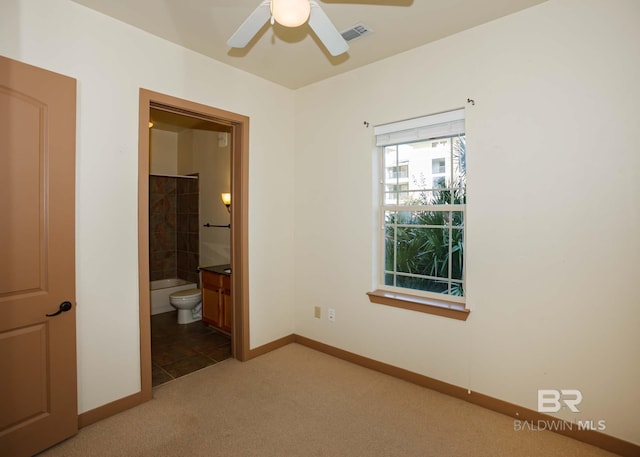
[326,31]
[251,26]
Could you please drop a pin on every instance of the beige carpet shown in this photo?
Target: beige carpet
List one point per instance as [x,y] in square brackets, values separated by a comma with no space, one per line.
[299,402]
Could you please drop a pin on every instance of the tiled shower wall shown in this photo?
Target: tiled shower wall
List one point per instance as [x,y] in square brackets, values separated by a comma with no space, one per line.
[173,228]
[163,259]
[187,229]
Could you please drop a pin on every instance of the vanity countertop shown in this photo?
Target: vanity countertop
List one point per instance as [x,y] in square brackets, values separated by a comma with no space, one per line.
[220,269]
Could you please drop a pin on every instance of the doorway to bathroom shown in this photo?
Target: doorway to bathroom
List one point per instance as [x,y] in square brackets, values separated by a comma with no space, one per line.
[189,154]
[190,168]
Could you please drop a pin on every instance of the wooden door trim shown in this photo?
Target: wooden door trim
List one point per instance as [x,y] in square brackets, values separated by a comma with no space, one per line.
[239,221]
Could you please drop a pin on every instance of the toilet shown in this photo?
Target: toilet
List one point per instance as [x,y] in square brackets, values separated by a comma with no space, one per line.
[187,302]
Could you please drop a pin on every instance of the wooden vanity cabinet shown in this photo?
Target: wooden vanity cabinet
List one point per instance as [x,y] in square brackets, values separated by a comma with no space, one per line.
[217,305]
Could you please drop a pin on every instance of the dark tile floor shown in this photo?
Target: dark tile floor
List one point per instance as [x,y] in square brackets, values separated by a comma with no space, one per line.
[179,349]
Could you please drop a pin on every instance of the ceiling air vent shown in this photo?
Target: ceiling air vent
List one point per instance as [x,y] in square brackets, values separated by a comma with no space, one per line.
[357,31]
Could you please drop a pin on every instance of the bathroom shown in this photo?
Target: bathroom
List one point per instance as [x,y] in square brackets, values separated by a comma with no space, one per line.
[190,167]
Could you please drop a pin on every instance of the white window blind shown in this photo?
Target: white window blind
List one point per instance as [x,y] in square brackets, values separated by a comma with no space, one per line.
[421,128]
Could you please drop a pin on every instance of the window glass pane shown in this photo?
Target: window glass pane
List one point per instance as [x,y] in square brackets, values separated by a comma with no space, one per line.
[419,197]
[430,285]
[390,217]
[457,253]
[459,160]
[420,158]
[460,195]
[457,289]
[430,217]
[441,197]
[391,168]
[390,198]
[424,250]
[457,218]
[389,249]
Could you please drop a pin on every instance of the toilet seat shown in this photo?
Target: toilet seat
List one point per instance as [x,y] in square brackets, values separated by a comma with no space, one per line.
[186,294]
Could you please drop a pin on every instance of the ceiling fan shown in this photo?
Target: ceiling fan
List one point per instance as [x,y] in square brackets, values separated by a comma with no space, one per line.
[290,13]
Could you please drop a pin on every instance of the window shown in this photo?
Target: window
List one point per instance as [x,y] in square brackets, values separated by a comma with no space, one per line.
[422,222]
[398,171]
[438,165]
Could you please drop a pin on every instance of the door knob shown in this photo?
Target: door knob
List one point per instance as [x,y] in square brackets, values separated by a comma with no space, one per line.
[64,307]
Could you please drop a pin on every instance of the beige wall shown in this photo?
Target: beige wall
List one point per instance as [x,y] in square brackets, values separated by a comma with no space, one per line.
[163,149]
[184,152]
[553,216]
[111,62]
[200,152]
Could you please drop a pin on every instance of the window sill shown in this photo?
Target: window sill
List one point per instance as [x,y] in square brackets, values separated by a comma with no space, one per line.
[421,304]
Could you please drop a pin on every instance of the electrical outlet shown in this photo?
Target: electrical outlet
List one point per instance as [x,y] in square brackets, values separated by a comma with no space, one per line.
[316,312]
[332,315]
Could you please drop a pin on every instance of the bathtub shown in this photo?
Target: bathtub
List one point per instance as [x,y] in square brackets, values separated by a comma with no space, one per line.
[162,288]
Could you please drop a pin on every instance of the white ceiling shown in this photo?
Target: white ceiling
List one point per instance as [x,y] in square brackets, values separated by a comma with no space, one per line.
[294,57]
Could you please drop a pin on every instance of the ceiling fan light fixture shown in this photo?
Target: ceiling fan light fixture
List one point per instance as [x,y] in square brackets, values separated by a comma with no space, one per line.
[290,13]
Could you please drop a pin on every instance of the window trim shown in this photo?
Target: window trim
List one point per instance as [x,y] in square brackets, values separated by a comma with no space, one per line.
[427,305]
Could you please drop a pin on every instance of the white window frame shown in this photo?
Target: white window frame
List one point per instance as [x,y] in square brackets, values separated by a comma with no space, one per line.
[441,125]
